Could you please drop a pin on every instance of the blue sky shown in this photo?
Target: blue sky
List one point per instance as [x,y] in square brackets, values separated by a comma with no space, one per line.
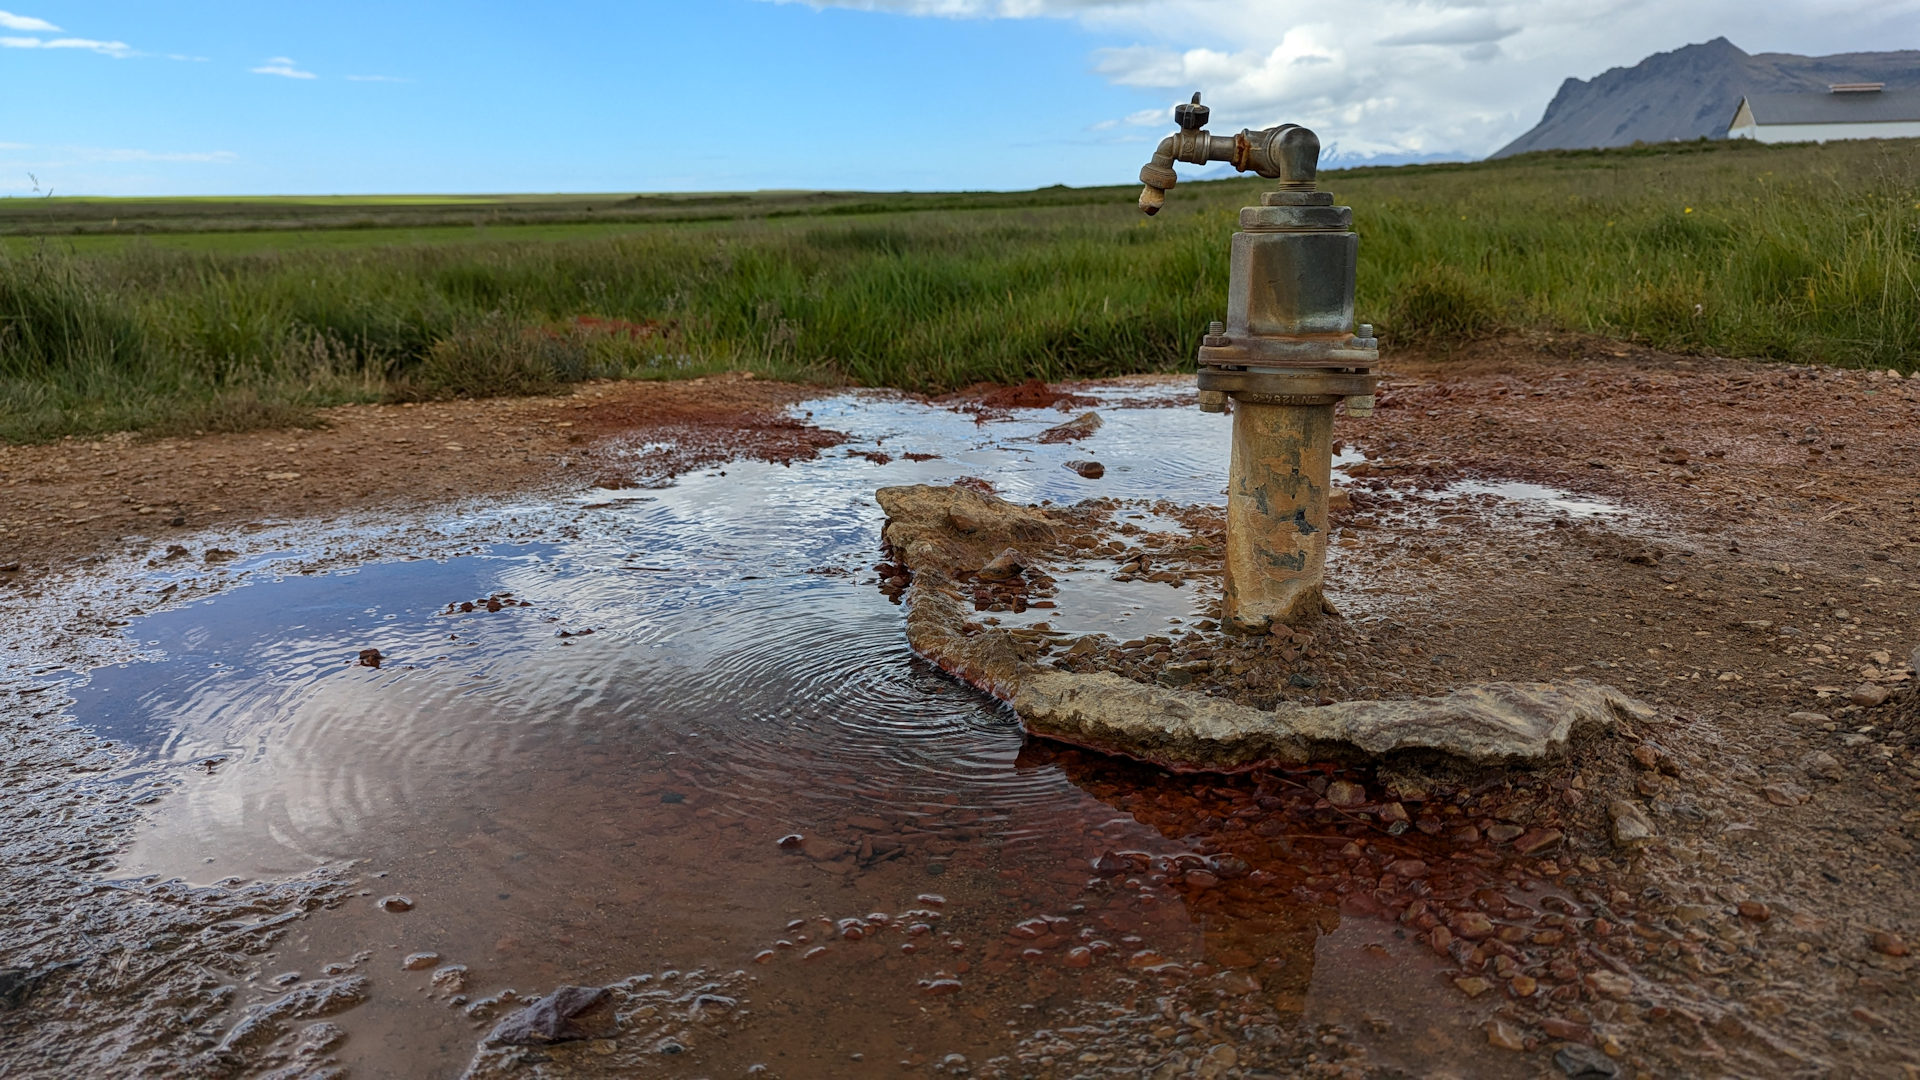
[352,97]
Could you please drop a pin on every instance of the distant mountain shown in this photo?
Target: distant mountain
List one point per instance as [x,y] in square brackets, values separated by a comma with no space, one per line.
[1693,91]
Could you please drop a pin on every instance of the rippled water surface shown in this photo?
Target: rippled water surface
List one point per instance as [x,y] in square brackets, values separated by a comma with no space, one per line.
[593,780]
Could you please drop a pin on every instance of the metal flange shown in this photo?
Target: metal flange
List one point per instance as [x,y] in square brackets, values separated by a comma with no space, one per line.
[1288,382]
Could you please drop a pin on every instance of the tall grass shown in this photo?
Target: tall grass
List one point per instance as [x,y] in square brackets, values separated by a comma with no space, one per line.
[1797,253]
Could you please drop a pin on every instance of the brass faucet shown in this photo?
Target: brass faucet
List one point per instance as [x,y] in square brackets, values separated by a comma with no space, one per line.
[1288,153]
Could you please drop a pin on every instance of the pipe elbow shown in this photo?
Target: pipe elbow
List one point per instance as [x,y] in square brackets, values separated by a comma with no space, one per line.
[1157,176]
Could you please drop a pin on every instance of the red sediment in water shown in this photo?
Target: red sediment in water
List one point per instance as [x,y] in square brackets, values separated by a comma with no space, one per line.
[991,400]
[660,436]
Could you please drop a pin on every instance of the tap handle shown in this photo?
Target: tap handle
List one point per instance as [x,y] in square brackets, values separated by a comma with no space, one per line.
[1193,115]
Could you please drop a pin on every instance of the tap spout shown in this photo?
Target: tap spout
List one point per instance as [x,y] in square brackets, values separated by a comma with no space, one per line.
[1288,153]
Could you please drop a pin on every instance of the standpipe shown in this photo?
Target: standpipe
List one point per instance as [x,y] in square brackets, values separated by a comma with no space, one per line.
[1285,356]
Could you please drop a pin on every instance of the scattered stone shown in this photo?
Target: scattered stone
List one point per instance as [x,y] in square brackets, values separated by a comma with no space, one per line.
[1538,840]
[1785,794]
[1631,829]
[1871,1019]
[1220,1057]
[1505,1035]
[450,978]
[1091,470]
[1472,925]
[370,658]
[562,1016]
[1585,1063]
[1887,944]
[420,961]
[1609,984]
[1867,695]
[1559,1027]
[395,904]
[1500,834]
[1822,766]
[1346,794]
[1005,566]
[1809,718]
[1473,985]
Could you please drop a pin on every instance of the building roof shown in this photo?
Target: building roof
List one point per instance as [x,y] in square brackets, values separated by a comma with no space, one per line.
[1822,107]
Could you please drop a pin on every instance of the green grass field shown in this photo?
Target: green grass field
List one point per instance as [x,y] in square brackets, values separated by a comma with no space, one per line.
[219,314]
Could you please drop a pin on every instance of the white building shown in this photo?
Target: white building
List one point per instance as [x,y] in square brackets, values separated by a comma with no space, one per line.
[1845,111]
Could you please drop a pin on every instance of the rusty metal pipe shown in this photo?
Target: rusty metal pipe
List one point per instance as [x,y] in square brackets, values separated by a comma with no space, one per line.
[1284,356]
[1278,483]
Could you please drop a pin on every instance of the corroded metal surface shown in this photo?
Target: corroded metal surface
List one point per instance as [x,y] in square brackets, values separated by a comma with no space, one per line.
[1277,513]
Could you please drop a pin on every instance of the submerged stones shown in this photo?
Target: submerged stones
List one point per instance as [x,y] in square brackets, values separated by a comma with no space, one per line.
[1167,725]
[1077,428]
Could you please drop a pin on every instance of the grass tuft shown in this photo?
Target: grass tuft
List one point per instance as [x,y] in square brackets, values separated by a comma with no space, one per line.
[1438,307]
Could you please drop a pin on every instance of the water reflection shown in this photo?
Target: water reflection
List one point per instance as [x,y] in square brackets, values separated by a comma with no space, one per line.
[691,735]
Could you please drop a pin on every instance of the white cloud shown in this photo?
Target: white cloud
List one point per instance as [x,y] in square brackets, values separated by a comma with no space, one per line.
[10,21]
[116,49]
[1410,77]
[283,67]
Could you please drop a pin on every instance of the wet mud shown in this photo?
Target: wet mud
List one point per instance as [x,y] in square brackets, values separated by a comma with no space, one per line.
[691,761]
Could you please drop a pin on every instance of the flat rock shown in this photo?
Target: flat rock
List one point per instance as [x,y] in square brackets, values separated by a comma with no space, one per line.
[954,528]
[1484,722]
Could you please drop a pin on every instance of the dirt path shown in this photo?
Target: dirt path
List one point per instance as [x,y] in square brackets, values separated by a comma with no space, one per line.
[64,501]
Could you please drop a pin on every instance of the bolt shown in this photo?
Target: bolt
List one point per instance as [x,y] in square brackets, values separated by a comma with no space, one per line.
[1366,330]
[1216,327]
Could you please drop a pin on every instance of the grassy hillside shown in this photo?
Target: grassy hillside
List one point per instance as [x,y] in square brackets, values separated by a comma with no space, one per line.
[198,314]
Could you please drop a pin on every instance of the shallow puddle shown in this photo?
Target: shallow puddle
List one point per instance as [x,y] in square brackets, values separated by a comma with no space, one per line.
[1551,499]
[683,733]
